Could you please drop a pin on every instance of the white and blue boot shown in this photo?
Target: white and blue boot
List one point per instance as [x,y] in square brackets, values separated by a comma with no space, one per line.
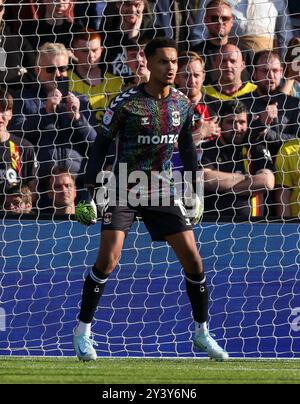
[83,345]
[204,342]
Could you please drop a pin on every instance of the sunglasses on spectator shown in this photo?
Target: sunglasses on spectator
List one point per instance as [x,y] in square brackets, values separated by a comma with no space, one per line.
[217,18]
[52,69]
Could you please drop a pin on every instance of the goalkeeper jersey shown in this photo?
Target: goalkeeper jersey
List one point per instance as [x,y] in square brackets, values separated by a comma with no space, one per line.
[287,172]
[99,96]
[146,131]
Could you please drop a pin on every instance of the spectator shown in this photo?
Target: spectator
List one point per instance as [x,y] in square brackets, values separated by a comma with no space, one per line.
[175,19]
[18,165]
[229,65]
[189,79]
[18,200]
[137,62]
[237,175]
[52,118]
[294,11]
[287,175]
[291,84]
[218,20]
[16,56]
[88,14]
[124,21]
[53,23]
[275,114]
[61,192]
[17,12]
[258,24]
[88,77]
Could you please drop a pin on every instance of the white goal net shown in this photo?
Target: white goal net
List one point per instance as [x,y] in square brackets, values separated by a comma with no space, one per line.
[248,237]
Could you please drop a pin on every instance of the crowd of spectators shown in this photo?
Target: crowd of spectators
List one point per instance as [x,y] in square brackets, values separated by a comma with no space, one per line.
[62,62]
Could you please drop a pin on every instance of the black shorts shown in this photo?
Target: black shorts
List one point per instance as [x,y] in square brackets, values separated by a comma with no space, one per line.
[160,221]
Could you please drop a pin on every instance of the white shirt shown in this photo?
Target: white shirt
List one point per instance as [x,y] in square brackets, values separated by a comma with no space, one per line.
[269,18]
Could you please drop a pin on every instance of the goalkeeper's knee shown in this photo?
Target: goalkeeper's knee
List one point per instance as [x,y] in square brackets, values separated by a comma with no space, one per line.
[99,274]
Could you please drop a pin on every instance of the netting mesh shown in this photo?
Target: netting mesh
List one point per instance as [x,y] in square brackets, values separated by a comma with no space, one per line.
[61,65]
[252,271]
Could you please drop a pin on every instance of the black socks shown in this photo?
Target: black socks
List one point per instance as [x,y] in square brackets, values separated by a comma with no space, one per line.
[198,294]
[92,291]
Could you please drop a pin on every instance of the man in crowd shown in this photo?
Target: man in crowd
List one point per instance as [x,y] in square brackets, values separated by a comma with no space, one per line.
[61,192]
[89,77]
[17,199]
[58,122]
[228,65]
[275,115]
[189,79]
[137,62]
[122,22]
[218,20]
[287,174]
[258,24]
[237,175]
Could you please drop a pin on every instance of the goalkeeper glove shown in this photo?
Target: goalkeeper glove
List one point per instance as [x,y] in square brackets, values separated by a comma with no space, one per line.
[86,211]
[194,208]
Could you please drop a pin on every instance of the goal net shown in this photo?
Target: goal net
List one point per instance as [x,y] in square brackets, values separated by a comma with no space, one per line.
[252,272]
[251,263]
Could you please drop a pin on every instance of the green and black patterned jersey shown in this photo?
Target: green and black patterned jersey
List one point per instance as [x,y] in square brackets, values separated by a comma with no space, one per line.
[146,131]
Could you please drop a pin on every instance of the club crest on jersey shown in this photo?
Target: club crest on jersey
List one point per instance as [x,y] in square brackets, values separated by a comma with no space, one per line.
[107,218]
[108,116]
[176,118]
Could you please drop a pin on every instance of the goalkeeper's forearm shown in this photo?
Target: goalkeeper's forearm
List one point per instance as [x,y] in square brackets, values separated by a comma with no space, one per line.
[96,160]
[189,159]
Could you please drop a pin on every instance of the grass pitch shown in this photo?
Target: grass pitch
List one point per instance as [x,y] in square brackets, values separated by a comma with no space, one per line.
[156,371]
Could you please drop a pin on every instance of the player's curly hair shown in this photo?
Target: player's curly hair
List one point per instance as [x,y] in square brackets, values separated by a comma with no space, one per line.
[157,43]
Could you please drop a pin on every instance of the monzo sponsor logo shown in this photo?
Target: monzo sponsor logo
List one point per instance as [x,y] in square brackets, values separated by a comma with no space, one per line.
[165,139]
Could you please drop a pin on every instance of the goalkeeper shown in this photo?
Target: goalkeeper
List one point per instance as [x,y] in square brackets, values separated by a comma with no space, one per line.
[146,122]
